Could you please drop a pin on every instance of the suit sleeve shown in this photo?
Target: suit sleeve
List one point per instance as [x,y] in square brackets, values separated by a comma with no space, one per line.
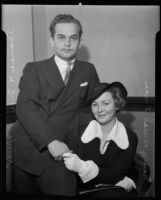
[120,168]
[31,116]
[86,116]
[93,80]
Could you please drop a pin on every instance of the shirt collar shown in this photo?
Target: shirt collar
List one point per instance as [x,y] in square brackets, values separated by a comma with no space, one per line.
[62,64]
[118,134]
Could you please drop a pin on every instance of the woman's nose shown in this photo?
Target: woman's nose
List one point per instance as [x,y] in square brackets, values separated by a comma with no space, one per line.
[99,109]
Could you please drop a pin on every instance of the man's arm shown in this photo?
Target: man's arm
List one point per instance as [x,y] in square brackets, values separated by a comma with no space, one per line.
[33,118]
[86,115]
[93,80]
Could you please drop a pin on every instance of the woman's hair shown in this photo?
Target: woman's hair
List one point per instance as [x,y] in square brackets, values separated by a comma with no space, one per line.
[64,18]
[118,97]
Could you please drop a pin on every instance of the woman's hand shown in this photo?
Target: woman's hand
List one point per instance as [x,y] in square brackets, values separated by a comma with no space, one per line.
[127,183]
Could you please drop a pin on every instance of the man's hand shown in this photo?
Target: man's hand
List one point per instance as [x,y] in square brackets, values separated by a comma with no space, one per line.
[73,162]
[57,149]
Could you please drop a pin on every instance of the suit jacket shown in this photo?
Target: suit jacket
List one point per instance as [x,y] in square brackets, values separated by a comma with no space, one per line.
[46,108]
[114,164]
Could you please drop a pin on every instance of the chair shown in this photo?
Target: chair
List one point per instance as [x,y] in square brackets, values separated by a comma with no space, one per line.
[142,177]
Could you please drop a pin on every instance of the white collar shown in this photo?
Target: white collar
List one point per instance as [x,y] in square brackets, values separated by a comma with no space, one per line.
[62,64]
[118,134]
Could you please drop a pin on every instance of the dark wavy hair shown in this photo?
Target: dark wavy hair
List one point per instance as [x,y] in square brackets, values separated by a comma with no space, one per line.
[117,90]
[64,18]
[119,99]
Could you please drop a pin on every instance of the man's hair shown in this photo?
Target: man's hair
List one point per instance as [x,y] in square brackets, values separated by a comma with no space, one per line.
[64,18]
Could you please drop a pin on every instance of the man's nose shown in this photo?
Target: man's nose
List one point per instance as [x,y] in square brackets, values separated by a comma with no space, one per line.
[67,42]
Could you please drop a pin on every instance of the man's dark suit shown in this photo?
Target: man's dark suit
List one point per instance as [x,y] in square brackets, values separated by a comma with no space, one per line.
[46,110]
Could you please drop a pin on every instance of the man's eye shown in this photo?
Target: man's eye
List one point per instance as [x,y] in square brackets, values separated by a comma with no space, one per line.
[60,37]
[94,104]
[74,38]
[106,103]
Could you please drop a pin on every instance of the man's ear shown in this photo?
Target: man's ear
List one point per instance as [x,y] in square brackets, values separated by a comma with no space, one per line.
[80,43]
[52,42]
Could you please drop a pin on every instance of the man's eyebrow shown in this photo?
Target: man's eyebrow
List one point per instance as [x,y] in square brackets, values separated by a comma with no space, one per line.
[75,35]
[60,34]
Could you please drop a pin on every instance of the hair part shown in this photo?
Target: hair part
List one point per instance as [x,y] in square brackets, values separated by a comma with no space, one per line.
[64,18]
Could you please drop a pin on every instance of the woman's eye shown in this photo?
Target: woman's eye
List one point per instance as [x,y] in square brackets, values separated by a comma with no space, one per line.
[106,103]
[94,104]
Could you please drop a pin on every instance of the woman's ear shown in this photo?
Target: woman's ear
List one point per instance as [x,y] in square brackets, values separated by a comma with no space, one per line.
[117,107]
[117,110]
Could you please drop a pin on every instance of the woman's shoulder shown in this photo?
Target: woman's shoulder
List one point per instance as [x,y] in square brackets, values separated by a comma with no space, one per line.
[132,135]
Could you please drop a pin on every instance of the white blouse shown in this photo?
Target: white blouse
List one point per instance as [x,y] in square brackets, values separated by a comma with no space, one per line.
[118,134]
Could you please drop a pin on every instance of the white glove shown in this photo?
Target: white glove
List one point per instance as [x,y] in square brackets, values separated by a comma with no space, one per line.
[87,170]
[73,162]
[127,183]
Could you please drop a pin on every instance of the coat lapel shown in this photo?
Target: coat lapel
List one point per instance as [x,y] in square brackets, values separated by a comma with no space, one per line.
[53,75]
[53,78]
[75,79]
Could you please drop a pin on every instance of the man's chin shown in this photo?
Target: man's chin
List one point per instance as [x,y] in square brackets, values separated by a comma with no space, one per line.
[68,57]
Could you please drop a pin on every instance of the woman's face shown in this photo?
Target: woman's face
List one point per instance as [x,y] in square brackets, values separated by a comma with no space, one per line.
[103,108]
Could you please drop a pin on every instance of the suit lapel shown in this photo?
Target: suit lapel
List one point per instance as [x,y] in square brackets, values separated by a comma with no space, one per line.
[53,75]
[72,85]
[75,79]
[54,81]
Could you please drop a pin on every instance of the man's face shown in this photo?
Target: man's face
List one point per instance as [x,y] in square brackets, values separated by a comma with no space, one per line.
[66,40]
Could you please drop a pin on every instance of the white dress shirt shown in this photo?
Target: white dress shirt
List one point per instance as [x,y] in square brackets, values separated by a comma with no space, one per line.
[62,65]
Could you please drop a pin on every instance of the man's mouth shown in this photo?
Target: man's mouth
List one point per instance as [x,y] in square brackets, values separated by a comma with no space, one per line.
[67,50]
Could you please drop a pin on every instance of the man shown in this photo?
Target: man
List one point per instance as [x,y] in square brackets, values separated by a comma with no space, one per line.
[52,93]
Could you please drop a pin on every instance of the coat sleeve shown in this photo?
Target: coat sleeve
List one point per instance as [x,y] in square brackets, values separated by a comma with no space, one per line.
[30,114]
[86,115]
[93,80]
[121,166]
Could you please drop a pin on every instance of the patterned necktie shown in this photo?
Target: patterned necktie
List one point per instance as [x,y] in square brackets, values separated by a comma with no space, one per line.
[67,73]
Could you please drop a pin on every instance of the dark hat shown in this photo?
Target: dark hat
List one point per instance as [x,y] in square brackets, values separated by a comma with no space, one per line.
[102,87]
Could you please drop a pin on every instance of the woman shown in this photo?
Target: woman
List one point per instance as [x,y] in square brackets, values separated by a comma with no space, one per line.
[106,148]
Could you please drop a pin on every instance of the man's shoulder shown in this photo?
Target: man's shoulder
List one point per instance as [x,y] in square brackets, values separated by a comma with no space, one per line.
[41,62]
[85,66]
[84,63]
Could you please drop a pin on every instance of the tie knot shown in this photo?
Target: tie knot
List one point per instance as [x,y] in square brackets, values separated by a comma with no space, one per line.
[68,64]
